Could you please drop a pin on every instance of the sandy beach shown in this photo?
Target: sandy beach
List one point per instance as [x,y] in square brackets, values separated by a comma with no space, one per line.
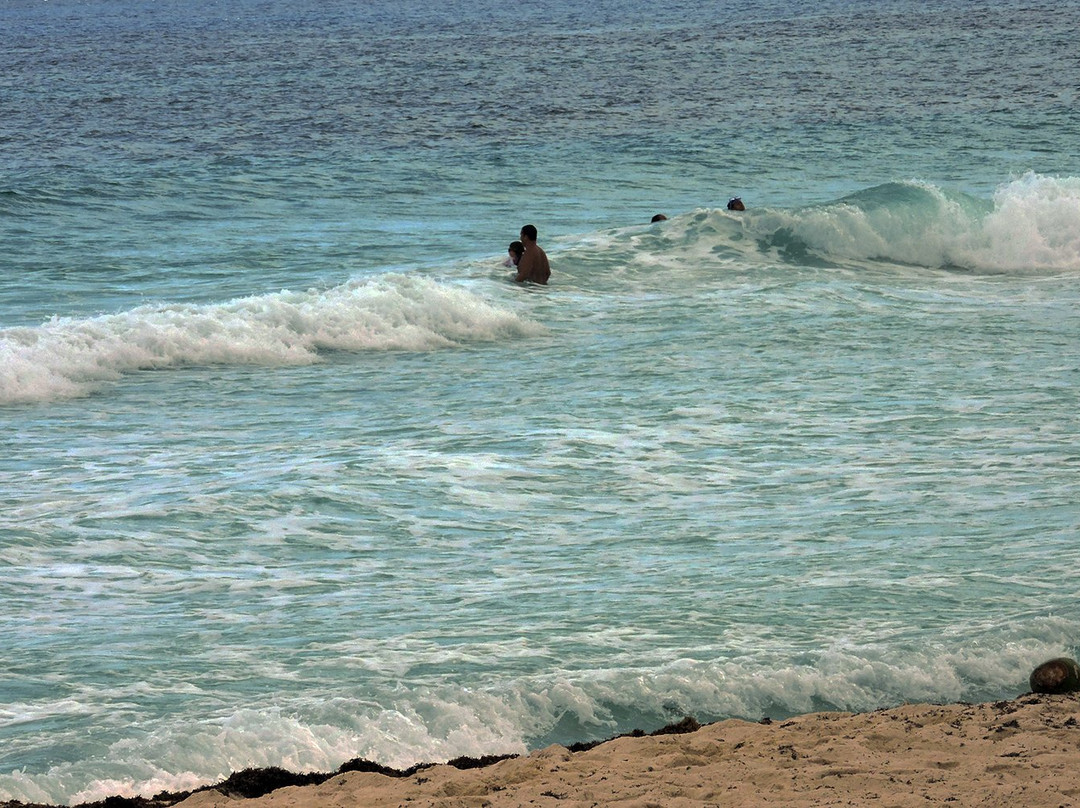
[1024,752]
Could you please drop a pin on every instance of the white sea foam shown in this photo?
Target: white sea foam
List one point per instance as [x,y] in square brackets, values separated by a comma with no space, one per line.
[400,727]
[1033,225]
[69,357]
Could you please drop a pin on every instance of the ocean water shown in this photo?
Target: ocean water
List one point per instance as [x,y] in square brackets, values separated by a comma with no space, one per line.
[293,474]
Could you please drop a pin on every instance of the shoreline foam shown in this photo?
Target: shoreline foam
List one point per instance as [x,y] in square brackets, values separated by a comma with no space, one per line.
[1022,751]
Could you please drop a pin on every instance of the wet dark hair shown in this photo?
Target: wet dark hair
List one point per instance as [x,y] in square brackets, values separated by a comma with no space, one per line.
[529,231]
[736,203]
[517,248]
[659,218]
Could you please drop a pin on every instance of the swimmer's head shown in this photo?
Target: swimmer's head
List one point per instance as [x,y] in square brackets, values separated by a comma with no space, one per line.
[736,203]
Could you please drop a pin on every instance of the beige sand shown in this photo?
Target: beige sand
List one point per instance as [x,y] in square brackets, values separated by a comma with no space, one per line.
[1023,754]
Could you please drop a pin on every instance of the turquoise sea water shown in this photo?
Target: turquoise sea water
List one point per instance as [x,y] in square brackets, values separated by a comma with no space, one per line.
[293,475]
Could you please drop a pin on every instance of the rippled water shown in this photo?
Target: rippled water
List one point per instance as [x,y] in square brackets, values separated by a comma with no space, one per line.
[293,475]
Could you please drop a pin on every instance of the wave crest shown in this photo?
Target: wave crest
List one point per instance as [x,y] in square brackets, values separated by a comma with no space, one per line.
[68,357]
[1032,224]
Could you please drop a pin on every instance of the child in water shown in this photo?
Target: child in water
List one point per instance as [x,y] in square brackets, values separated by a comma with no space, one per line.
[514,253]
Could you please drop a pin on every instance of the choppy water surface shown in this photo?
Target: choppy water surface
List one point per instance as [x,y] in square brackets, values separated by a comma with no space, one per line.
[293,475]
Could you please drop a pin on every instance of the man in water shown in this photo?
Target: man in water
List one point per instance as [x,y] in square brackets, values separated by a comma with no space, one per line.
[533,265]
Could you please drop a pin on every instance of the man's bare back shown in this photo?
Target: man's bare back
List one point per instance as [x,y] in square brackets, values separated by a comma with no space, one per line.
[533,266]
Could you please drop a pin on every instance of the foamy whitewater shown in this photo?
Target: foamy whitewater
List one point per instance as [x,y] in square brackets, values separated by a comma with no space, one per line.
[293,474]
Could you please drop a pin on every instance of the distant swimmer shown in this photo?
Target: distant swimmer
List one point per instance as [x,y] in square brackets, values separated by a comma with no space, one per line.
[533,266]
[659,218]
[514,253]
[736,203]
